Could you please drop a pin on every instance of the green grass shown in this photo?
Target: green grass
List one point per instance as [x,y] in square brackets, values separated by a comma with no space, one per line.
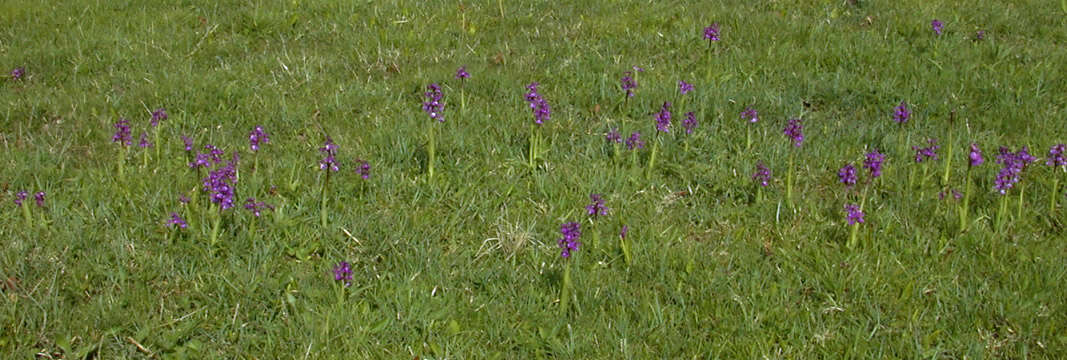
[465,265]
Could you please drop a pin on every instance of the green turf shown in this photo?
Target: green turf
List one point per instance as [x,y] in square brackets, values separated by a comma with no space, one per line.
[465,264]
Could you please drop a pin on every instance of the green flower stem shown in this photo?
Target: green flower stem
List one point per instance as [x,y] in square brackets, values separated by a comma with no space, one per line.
[325,199]
[789,182]
[122,160]
[340,286]
[1054,195]
[926,172]
[144,159]
[217,213]
[1019,212]
[708,74]
[596,236]
[948,160]
[863,198]
[564,293]
[26,214]
[252,225]
[748,138]
[853,237]
[462,99]
[1002,213]
[534,139]
[625,245]
[652,158]
[966,202]
[911,179]
[633,159]
[430,150]
[156,138]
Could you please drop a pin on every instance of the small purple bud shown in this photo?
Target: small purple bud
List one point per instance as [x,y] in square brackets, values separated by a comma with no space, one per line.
[157,115]
[343,273]
[176,221]
[750,114]
[634,141]
[613,136]
[937,26]
[16,73]
[711,33]
[188,143]
[762,175]
[20,197]
[144,141]
[853,214]
[684,87]
[462,73]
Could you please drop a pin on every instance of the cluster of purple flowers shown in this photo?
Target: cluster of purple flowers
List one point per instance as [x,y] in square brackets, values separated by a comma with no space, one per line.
[690,122]
[343,273]
[937,26]
[684,87]
[613,136]
[1013,165]
[220,184]
[1055,156]
[569,242]
[16,73]
[762,175]
[122,132]
[663,118]
[975,157]
[873,163]
[853,214]
[256,137]
[596,207]
[329,151]
[926,153]
[157,115]
[847,175]
[462,73]
[206,160]
[711,33]
[901,113]
[750,114]
[794,131]
[634,141]
[256,207]
[538,105]
[363,168]
[177,221]
[433,105]
[38,197]
[20,197]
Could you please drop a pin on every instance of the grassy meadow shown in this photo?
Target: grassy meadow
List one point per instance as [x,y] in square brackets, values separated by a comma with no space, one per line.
[452,240]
